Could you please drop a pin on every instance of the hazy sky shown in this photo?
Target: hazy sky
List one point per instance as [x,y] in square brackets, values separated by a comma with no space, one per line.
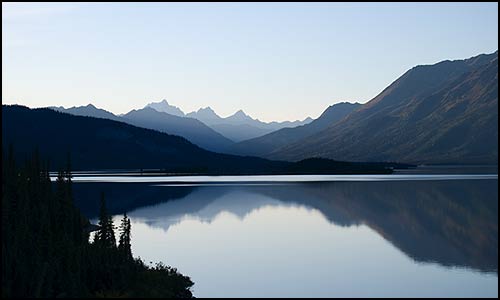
[275,61]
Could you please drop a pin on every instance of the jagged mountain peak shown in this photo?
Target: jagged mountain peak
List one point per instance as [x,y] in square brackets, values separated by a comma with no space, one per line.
[208,108]
[164,106]
[240,114]
[207,111]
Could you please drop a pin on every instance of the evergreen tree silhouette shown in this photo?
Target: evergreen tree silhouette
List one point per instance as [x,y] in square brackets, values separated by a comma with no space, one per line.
[105,236]
[46,251]
[124,243]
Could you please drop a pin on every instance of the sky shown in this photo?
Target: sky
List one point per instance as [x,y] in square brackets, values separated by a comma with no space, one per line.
[275,61]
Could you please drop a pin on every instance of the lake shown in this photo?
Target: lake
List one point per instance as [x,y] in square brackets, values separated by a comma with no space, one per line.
[417,234]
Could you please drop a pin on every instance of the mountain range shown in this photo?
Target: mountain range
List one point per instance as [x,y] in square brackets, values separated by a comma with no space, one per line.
[445,113]
[96,143]
[204,127]
[265,145]
[237,127]
[99,144]
[192,129]
[163,106]
[89,110]
[240,126]
[189,128]
[432,114]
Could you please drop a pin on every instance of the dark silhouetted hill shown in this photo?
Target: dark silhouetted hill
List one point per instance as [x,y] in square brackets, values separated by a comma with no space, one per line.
[97,144]
[433,114]
[191,129]
[88,111]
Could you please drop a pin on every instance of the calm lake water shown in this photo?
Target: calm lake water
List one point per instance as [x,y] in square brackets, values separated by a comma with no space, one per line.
[312,236]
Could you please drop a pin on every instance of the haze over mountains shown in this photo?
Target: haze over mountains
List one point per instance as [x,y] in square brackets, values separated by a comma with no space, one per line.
[96,143]
[191,129]
[240,126]
[237,127]
[433,114]
[204,127]
[265,145]
[99,144]
[163,106]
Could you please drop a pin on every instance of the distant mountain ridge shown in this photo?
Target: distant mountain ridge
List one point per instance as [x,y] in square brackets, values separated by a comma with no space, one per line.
[264,145]
[240,126]
[89,110]
[204,127]
[164,106]
[98,143]
[191,129]
[445,113]
[441,113]
[236,127]
[207,115]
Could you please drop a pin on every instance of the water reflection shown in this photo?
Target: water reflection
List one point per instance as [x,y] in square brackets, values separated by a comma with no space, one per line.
[447,222]
[281,228]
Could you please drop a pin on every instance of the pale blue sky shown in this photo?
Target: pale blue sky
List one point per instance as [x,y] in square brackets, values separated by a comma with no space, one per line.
[276,61]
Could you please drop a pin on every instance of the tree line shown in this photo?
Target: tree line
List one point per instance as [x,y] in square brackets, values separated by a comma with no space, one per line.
[46,251]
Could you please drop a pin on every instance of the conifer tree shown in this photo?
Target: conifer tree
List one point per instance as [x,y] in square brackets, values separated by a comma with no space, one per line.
[124,243]
[105,236]
[46,252]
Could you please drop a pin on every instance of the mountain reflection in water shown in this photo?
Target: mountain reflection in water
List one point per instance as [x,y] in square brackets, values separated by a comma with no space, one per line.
[453,223]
